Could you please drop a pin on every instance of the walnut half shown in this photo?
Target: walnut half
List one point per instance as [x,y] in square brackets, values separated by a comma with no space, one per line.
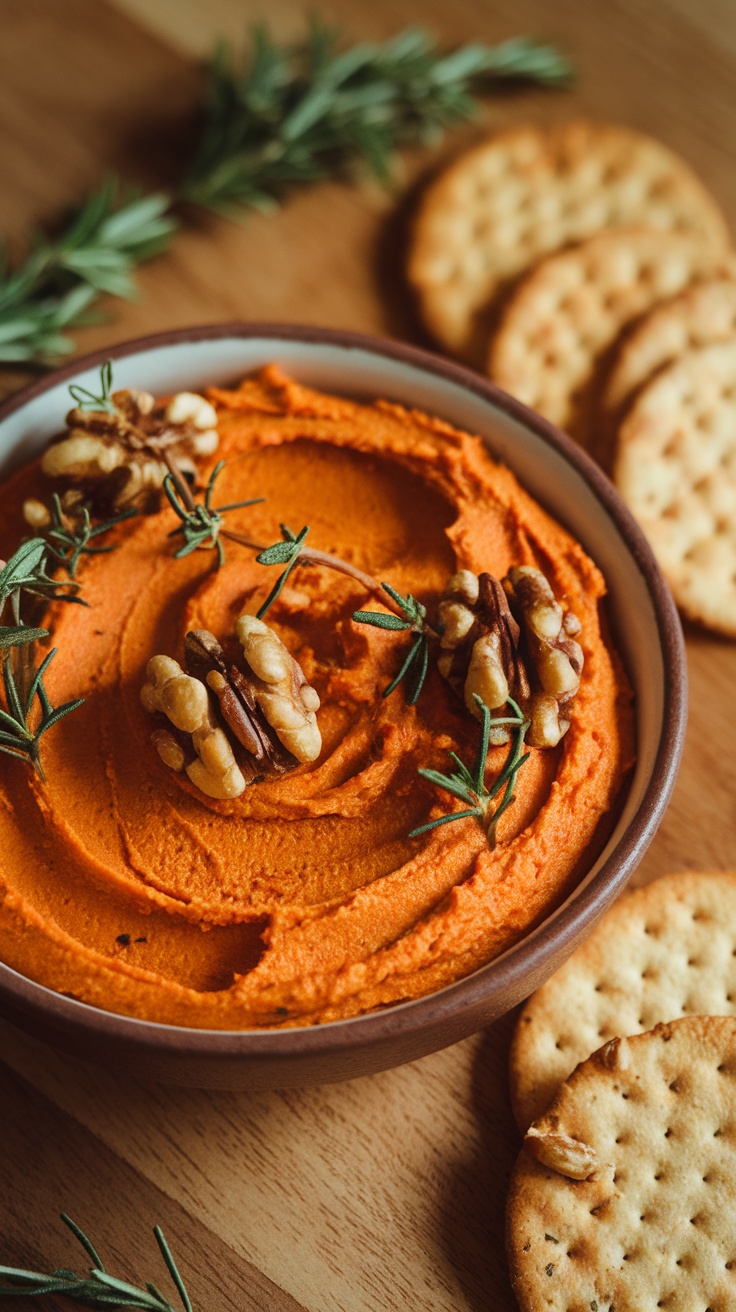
[113,457]
[280,689]
[549,633]
[206,660]
[511,639]
[267,710]
[479,646]
[185,702]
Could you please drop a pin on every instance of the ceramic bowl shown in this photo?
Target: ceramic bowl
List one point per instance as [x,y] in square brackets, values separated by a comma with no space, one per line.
[643,620]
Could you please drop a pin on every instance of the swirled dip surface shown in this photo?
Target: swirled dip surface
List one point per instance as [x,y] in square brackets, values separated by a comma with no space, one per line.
[303,900]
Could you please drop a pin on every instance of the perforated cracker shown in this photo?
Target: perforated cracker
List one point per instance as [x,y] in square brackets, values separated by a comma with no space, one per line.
[661,952]
[699,316]
[531,190]
[656,1227]
[675,465]
[562,321]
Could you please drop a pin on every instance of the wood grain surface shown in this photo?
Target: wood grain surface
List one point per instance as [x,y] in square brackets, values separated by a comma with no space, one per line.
[384,1193]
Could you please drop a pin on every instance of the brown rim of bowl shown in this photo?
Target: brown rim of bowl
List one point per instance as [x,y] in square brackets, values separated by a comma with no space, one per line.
[373,1028]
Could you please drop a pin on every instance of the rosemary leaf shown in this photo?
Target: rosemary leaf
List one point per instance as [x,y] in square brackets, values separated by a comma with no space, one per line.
[380,620]
[417,658]
[201,524]
[405,667]
[173,1269]
[19,737]
[450,783]
[287,551]
[84,1241]
[421,663]
[69,535]
[16,635]
[446,820]
[96,1289]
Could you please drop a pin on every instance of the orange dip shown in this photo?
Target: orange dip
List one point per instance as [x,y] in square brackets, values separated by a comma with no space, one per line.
[303,900]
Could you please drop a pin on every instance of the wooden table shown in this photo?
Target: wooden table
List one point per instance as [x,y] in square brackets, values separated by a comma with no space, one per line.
[385,1193]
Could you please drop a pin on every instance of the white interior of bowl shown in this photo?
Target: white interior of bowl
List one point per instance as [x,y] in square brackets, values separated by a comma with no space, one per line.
[357,371]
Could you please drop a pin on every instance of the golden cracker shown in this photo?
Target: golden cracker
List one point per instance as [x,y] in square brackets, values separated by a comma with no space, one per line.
[699,316]
[530,190]
[654,1227]
[562,321]
[675,466]
[661,952]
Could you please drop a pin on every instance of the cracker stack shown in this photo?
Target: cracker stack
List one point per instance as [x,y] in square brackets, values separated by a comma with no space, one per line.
[622,1196]
[589,272]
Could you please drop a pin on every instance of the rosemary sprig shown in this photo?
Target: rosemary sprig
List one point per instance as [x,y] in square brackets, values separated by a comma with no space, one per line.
[295,114]
[417,658]
[411,615]
[68,541]
[291,551]
[98,1289]
[25,573]
[469,785]
[201,522]
[17,736]
[281,117]
[55,287]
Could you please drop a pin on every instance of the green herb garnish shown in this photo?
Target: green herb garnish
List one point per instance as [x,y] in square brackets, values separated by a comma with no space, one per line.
[287,553]
[285,116]
[67,544]
[417,657]
[97,1289]
[89,400]
[25,573]
[201,522]
[290,115]
[469,786]
[290,551]
[17,736]
[56,286]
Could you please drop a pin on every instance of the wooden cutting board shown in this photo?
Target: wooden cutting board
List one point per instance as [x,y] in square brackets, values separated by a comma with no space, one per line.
[385,1193]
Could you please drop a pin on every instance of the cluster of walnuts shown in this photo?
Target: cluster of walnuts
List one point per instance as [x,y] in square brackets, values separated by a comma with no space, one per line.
[232,721]
[115,457]
[511,639]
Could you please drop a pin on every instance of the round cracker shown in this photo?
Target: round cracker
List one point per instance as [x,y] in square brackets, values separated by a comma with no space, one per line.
[514,198]
[563,319]
[655,1228]
[675,466]
[699,316]
[661,952]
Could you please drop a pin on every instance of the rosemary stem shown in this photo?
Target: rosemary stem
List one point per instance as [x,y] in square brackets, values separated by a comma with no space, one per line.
[180,483]
[328,561]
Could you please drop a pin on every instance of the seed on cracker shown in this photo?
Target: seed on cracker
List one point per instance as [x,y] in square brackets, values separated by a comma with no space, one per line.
[653,1225]
[555,334]
[661,952]
[531,190]
[699,316]
[675,466]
